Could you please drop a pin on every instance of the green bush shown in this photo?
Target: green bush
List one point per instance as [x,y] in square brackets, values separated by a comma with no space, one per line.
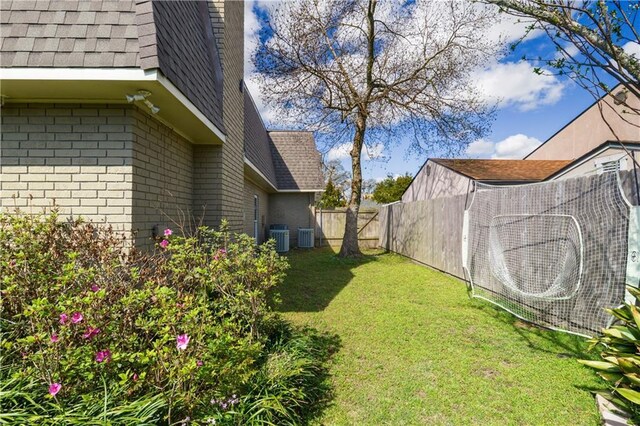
[620,365]
[91,322]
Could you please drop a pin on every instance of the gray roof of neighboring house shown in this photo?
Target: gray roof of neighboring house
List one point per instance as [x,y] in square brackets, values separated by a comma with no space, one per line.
[175,36]
[257,147]
[296,160]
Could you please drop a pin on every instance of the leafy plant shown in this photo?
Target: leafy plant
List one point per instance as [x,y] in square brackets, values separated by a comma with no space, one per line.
[98,332]
[620,364]
[391,189]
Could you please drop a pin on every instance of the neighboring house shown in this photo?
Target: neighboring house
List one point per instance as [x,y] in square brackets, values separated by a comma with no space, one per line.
[590,143]
[440,177]
[130,112]
[283,176]
[592,140]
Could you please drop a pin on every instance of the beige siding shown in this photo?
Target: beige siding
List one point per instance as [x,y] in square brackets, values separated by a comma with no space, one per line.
[293,210]
[590,130]
[590,165]
[76,156]
[436,181]
[250,191]
[162,177]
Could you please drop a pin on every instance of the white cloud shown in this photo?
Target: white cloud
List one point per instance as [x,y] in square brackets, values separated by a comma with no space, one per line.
[480,149]
[632,48]
[339,152]
[516,84]
[342,151]
[516,146]
[512,147]
[374,152]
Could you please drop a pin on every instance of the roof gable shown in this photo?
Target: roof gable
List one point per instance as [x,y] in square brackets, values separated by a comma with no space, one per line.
[296,161]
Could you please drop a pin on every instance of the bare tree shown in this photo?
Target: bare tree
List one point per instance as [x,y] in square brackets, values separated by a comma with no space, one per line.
[593,38]
[359,69]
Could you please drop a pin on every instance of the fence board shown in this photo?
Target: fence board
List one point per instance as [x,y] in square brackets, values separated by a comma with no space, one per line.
[329,229]
[428,231]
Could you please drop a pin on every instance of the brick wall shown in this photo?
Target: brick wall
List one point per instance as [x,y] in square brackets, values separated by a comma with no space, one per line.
[162,177]
[78,156]
[219,171]
[107,163]
[250,191]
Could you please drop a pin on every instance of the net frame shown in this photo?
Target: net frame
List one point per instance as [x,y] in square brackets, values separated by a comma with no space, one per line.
[540,310]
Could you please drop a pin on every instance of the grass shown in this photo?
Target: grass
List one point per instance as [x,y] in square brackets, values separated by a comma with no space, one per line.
[416,350]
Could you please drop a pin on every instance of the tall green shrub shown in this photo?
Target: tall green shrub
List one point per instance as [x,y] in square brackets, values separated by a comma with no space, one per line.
[81,308]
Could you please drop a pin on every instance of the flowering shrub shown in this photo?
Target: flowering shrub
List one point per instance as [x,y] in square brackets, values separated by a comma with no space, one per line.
[190,321]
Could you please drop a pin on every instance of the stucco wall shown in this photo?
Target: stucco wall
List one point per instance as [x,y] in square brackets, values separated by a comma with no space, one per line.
[250,191]
[436,181]
[590,130]
[162,177]
[76,155]
[292,209]
[589,166]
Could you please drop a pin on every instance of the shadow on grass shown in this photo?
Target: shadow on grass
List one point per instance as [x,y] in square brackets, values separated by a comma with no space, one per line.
[560,344]
[316,277]
[297,367]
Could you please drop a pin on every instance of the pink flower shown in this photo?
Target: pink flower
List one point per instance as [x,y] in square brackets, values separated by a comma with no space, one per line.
[164,244]
[95,288]
[104,355]
[223,251]
[76,317]
[182,341]
[135,377]
[199,363]
[54,388]
[90,333]
[168,232]
[54,338]
[63,318]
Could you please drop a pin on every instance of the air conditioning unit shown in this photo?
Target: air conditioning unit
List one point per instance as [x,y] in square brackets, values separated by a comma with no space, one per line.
[282,239]
[305,237]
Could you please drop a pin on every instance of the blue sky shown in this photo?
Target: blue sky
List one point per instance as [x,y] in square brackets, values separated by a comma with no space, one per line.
[531,108]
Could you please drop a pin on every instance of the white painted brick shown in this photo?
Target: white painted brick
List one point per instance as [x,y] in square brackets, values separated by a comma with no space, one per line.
[85,177]
[40,185]
[93,202]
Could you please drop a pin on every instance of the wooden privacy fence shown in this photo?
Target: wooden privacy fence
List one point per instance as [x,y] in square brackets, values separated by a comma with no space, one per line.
[329,229]
[428,231]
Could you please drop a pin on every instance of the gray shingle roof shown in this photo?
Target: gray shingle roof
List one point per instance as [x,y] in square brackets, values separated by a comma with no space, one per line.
[296,160]
[184,48]
[257,147]
[70,33]
[174,36]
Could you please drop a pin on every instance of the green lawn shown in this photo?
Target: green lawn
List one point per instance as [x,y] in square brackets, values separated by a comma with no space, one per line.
[415,350]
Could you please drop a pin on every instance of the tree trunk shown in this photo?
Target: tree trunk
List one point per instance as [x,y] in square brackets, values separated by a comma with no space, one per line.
[350,246]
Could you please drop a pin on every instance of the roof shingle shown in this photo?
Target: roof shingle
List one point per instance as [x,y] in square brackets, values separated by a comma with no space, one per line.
[257,147]
[504,170]
[95,29]
[296,161]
